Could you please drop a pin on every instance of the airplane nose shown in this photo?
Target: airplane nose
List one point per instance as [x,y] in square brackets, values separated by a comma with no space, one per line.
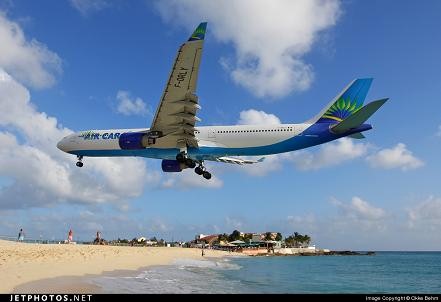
[62,145]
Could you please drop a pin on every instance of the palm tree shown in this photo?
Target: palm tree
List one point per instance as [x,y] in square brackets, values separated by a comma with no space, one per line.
[268,236]
[306,239]
[234,236]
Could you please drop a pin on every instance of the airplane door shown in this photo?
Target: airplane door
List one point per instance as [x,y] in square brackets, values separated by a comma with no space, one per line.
[212,134]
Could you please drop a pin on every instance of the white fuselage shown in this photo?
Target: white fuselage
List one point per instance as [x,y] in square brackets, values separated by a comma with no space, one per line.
[223,140]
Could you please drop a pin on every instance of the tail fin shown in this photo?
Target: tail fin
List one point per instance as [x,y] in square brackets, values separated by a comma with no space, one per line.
[345,104]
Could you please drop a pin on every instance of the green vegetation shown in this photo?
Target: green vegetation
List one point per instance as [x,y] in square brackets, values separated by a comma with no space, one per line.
[235,236]
[297,240]
[222,237]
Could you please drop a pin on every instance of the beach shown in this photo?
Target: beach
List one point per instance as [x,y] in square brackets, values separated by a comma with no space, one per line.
[23,263]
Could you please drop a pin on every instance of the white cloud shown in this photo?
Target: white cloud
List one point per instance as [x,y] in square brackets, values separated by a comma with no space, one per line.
[130,106]
[255,117]
[158,225]
[269,164]
[425,213]
[330,154]
[396,157]
[360,209]
[44,175]
[270,37]
[299,223]
[188,179]
[358,216]
[87,7]
[28,61]
[234,223]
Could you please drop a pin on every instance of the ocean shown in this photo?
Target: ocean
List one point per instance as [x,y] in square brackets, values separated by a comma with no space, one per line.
[385,272]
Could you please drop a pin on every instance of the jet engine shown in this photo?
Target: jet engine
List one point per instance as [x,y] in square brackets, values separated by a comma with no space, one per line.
[132,140]
[138,140]
[171,165]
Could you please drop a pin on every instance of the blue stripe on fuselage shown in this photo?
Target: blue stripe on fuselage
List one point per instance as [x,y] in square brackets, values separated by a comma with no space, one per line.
[314,135]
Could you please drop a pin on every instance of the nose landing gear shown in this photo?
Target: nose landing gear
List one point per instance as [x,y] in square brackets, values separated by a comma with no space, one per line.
[79,162]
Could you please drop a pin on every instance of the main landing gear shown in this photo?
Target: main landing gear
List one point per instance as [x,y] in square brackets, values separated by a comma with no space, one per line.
[199,170]
[79,162]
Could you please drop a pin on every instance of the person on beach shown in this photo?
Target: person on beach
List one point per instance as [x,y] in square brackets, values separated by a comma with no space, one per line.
[70,236]
[98,237]
[21,235]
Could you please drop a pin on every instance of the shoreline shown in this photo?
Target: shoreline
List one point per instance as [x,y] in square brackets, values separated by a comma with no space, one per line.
[74,284]
[85,284]
[47,266]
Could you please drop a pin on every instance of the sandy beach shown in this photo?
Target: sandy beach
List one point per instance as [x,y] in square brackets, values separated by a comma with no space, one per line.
[22,263]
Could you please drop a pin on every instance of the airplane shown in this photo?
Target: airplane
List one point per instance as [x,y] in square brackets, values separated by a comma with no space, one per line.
[174,137]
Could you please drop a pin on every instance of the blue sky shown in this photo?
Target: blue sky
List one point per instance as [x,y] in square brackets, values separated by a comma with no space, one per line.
[101,64]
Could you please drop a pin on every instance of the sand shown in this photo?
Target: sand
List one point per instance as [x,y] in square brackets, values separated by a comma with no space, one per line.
[22,263]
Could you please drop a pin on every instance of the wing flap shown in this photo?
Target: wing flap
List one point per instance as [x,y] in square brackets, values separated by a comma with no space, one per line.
[238,161]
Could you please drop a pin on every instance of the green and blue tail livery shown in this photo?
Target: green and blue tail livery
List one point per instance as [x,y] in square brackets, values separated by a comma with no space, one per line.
[349,101]
[199,32]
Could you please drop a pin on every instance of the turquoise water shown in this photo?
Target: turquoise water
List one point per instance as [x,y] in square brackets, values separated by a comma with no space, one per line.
[385,272]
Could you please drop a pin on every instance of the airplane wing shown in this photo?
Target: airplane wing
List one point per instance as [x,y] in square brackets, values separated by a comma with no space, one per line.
[238,161]
[175,116]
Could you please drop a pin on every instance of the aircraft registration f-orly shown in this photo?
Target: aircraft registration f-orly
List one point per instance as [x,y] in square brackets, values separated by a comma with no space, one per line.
[174,137]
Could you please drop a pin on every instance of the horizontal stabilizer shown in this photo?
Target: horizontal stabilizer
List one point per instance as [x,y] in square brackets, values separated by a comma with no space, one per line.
[359,117]
[357,136]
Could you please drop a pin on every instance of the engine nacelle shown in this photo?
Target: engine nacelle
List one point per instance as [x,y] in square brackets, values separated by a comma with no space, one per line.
[133,140]
[171,165]
[138,140]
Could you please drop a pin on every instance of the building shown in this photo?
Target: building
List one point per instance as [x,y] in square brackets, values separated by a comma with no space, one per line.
[141,239]
[197,237]
[256,237]
[206,239]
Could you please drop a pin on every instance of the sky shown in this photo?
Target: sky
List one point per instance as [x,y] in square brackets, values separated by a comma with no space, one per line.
[74,65]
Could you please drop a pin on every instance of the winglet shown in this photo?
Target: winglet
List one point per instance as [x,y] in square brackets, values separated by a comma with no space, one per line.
[260,159]
[199,32]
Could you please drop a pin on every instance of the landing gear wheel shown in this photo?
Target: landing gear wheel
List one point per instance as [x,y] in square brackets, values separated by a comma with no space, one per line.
[190,163]
[180,157]
[206,175]
[79,162]
[198,171]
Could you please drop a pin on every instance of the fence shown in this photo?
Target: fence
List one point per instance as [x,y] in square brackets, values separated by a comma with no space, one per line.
[34,240]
